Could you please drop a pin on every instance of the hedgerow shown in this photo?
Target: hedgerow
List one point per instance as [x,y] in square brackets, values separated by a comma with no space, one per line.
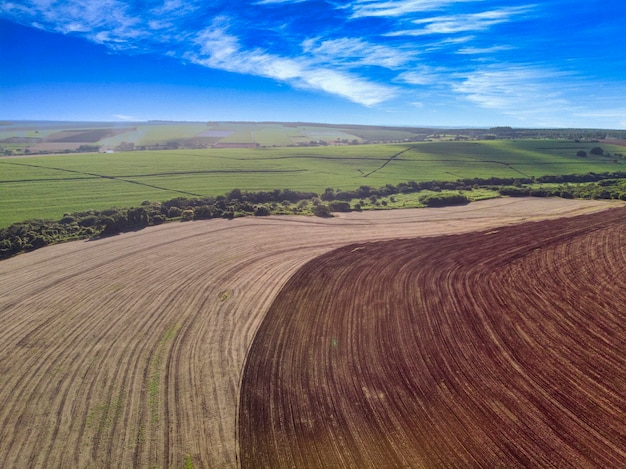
[34,234]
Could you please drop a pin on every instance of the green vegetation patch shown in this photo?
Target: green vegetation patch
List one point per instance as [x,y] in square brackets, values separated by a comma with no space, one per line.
[81,189]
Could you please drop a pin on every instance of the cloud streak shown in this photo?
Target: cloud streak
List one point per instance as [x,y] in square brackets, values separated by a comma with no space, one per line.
[219,49]
[373,8]
[521,90]
[462,23]
[355,51]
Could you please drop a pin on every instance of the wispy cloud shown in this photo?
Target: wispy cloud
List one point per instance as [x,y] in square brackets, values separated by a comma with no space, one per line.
[515,89]
[355,51]
[219,49]
[124,117]
[102,21]
[483,50]
[364,8]
[452,24]
[277,2]
[446,43]
[423,75]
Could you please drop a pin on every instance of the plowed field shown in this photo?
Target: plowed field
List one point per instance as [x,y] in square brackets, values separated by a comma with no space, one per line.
[129,351]
[504,348]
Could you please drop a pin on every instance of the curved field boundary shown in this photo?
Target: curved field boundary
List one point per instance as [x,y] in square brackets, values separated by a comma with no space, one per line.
[128,351]
[502,348]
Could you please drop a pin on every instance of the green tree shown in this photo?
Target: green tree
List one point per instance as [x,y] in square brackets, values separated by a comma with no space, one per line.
[322,210]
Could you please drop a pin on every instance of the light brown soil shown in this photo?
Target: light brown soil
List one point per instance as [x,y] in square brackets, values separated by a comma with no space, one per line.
[129,351]
[502,348]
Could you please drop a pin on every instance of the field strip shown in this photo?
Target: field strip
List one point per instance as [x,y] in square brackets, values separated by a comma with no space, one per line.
[128,351]
[102,176]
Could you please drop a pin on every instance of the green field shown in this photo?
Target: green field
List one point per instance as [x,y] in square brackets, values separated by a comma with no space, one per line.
[49,186]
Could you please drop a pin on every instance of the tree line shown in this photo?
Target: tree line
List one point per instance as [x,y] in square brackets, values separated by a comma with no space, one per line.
[34,234]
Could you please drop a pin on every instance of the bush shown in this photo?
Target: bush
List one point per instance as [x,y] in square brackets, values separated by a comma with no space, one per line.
[514,191]
[203,212]
[262,211]
[445,200]
[90,220]
[337,206]
[322,210]
[174,212]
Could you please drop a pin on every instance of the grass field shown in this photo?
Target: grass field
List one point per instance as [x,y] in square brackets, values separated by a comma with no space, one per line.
[49,186]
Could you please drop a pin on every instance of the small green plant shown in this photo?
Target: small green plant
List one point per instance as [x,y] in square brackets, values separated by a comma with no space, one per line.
[188,462]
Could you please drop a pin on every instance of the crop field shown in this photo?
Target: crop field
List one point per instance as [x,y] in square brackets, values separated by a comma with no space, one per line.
[59,136]
[49,186]
[129,351]
[501,348]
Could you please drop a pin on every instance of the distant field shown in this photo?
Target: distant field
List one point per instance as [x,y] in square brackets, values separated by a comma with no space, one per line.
[49,186]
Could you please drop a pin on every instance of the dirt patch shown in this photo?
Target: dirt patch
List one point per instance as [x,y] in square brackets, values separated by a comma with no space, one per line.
[129,351]
[502,348]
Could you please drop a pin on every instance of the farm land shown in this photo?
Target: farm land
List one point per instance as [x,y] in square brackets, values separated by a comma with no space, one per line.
[48,187]
[500,348]
[147,348]
[488,334]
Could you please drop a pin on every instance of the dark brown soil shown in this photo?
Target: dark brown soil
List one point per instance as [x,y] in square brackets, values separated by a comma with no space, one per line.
[504,348]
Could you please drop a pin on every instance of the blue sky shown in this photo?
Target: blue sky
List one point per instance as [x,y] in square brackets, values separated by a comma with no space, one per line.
[476,63]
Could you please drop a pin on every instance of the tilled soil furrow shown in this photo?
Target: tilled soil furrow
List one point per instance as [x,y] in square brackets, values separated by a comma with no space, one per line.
[129,351]
[459,351]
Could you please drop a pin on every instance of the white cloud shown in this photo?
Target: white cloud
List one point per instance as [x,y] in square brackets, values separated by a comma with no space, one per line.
[276,2]
[391,8]
[463,22]
[124,117]
[515,90]
[355,51]
[121,26]
[422,75]
[453,41]
[483,50]
[218,49]
[102,21]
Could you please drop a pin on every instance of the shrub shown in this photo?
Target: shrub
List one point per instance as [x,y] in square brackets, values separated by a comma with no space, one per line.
[174,212]
[262,211]
[186,215]
[90,220]
[203,212]
[337,206]
[445,200]
[322,210]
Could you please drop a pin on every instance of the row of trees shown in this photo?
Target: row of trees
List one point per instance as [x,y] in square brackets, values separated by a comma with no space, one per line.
[33,234]
[614,189]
